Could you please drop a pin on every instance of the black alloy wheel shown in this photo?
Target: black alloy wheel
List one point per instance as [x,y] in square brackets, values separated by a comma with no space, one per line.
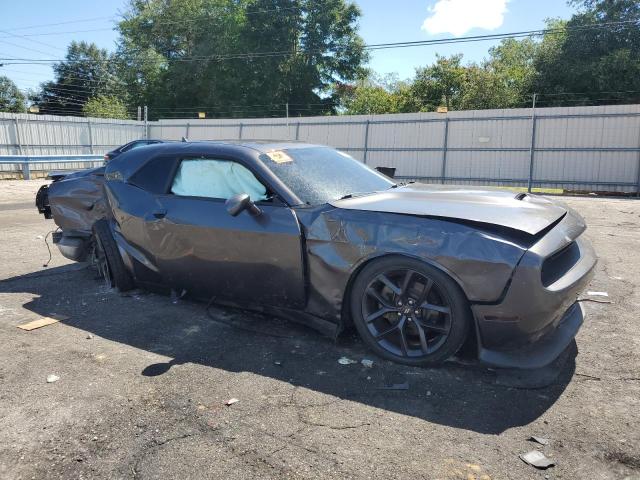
[409,312]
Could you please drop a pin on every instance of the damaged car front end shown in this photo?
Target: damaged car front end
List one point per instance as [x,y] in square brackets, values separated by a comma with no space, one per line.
[417,270]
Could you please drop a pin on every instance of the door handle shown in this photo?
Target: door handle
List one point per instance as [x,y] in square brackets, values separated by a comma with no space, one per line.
[159,212]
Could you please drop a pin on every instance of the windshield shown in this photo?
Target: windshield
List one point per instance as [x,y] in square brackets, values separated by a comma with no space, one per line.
[320,174]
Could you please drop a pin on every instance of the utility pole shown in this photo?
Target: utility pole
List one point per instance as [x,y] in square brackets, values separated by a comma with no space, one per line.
[139,113]
[287,113]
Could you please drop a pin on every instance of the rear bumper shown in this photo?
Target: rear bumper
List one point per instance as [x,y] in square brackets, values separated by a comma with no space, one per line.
[538,316]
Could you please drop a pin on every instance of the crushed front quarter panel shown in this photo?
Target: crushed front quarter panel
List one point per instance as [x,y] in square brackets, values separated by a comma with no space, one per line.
[338,242]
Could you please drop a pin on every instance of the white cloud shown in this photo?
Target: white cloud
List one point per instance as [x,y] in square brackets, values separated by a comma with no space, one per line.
[460,16]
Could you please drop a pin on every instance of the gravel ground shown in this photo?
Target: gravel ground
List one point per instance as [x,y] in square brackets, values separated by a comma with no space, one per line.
[144,381]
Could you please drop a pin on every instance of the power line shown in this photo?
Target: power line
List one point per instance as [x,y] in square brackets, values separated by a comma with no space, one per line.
[379,46]
[155,23]
[84,20]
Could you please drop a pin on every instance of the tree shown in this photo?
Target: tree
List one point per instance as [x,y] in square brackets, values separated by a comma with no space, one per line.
[86,72]
[372,95]
[586,65]
[243,58]
[11,99]
[103,106]
[438,84]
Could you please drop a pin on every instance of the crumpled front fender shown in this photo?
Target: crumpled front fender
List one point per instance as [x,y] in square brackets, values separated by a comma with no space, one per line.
[339,242]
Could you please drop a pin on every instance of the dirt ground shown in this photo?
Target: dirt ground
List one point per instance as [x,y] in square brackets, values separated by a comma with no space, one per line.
[144,381]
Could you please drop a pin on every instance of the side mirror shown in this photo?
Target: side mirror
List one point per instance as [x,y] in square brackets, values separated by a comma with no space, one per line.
[240,202]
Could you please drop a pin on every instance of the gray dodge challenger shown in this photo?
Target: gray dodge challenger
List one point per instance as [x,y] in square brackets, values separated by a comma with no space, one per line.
[309,233]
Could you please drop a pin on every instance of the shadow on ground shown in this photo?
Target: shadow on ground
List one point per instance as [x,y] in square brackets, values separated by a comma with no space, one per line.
[467,397]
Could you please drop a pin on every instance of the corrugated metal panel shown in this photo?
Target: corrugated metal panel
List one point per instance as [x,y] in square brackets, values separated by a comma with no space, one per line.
[572,144]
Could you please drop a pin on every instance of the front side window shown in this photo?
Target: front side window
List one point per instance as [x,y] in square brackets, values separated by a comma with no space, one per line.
[219,179]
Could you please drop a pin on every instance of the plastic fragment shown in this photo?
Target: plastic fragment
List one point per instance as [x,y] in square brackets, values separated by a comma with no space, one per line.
[52,378]
[598,294]
[396,386]
[366,363]
[346,361]
[536,459]
[231,401]
[278,363]
[540,440]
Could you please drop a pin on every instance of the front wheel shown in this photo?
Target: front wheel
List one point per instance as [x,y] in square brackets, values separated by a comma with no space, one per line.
[409,312]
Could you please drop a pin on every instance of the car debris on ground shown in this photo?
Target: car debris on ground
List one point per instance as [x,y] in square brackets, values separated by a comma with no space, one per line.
[540,440]
[537,459]
[396,386]
[367,363]
[52,378]
[42,322]
[346,361]
[231,401]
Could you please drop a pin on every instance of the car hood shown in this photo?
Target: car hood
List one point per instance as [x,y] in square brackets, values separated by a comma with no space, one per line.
[519,211]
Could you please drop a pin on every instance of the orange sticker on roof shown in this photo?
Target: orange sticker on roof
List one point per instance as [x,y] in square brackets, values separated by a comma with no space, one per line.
[279,156]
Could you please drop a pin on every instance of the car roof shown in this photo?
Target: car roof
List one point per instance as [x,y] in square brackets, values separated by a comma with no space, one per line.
[262,146]
[246,151]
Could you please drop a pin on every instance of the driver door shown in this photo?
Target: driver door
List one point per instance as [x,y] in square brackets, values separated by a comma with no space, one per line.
[199,247]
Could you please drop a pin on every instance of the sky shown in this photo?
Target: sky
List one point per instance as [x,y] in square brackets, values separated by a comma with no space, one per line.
[26,30]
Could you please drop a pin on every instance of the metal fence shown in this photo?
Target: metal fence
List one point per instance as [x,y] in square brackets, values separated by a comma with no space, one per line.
[24,134]
[576,148]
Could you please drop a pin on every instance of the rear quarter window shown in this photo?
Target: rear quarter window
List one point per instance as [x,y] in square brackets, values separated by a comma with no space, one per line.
[155,175]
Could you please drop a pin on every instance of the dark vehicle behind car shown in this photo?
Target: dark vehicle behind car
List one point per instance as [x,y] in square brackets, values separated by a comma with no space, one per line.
[128,146]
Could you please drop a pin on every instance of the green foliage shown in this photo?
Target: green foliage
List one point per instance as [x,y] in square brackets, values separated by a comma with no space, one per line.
[372,95]
[248,58]
[299,49]
[597,64]
[104,106]
[86,72]
[11,99]
[438,84]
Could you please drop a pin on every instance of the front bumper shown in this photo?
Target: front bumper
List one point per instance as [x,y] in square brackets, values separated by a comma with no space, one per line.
[538,316]
[74,248]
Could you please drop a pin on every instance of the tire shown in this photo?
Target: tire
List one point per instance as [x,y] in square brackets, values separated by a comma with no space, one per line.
[110,262]
[409,312]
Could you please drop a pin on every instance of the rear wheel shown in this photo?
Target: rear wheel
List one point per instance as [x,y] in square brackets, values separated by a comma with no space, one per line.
[409,312]
[108,260]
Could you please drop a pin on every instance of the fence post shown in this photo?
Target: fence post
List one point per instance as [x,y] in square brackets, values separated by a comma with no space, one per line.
[186,131]
[638,179]
[240,131]
[146,122]
[90,135]
[445,147]
[366,142]
[26,171]
[532,150]
[17,129]
[298,131]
